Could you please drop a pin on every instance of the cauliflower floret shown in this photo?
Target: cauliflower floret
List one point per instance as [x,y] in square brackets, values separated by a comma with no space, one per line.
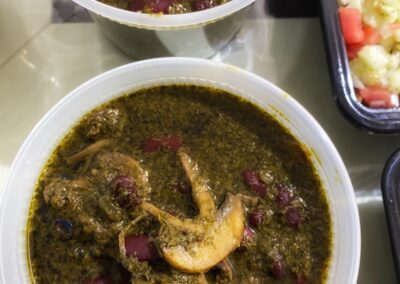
[377,13]
[374,56]
[367,75]
[394,81]
[388,43]
[394,61]
[356,4]
[397,35]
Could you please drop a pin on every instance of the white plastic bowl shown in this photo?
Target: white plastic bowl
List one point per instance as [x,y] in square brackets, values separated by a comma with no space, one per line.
[196,34]
[26,168]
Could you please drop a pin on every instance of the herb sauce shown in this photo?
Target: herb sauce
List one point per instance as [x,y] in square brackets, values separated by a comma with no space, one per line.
[76,220]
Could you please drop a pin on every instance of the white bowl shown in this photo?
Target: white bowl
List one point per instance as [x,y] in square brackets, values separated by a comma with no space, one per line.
[27,166]
[196,34]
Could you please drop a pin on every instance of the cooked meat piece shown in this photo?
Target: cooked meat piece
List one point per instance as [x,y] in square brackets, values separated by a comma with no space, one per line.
[78,200]
[109,165]
[105,123]
[89,150]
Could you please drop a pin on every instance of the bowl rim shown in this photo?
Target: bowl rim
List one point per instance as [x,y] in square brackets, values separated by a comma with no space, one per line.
[161,21]
[346,203]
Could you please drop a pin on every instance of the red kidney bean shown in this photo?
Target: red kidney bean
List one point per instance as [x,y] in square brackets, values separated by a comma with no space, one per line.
[204,4]
[299,278]
[172,142]
[125,191]
[261,190]
[279,269]
[283,197]
[160,6]
[293,218]
[182,187]
[248,235]
[152,145]
[137,5]
[253,180]
[256,218]
[141,247]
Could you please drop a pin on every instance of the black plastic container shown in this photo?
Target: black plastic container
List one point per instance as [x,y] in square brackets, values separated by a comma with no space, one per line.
[371,120]
[391,200]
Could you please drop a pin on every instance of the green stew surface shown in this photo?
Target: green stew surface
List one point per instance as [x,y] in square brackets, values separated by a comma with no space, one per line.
[179,184]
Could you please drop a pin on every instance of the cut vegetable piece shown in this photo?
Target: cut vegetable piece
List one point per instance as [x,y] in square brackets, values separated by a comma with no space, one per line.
[185,225]
[222,238]
[351,21]
[367,75]
[89,150]
[353,49]
[394,81]
[374,56]
[357,4]
[378,97]
[371,35]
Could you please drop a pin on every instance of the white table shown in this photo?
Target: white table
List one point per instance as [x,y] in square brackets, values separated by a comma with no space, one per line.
[41,61]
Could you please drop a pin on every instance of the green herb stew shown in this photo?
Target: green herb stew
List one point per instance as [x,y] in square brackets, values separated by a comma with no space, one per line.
[179,184]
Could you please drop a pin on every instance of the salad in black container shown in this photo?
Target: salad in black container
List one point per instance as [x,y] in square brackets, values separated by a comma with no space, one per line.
[362,39]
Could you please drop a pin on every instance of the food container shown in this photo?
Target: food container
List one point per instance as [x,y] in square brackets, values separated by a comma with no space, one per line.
[196,34]
[391,200]
[368,119]
[29,162]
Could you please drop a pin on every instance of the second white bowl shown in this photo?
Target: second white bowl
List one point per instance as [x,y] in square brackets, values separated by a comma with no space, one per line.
[197,34]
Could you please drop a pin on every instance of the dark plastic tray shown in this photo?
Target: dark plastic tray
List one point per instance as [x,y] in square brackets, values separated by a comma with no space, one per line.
[391,200]
[371,120]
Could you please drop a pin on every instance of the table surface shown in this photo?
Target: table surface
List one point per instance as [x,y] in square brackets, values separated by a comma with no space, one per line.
[49,48]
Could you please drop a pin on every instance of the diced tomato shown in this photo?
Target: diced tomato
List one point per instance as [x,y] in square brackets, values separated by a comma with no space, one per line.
[353,49]
[371,35]
[160,6]
[378,97]
[351,21]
